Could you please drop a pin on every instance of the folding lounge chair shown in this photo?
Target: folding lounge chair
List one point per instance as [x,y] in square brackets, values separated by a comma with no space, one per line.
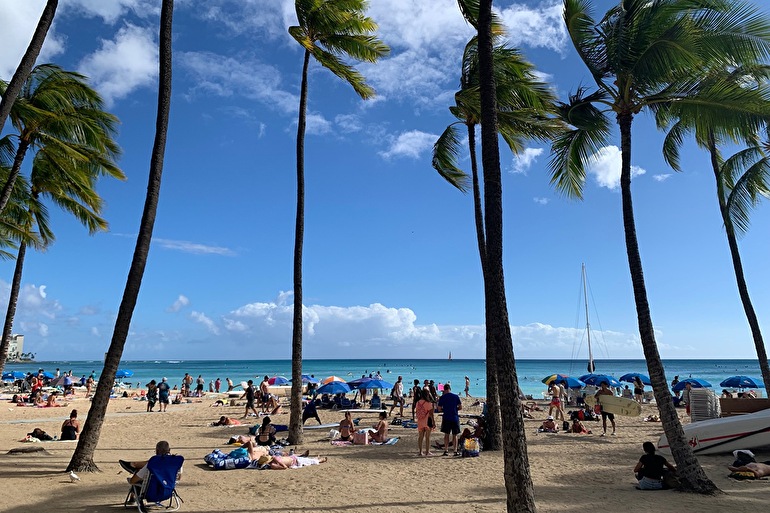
[159,486]
[375,403]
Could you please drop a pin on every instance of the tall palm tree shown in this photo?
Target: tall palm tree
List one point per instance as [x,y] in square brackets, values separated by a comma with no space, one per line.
[83,457]
[328,30]
[23,71]
[742,179]
[62,120]
[647,54]
[523,104]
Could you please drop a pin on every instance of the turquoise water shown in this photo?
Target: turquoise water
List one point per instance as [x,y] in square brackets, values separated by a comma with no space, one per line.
[530,372]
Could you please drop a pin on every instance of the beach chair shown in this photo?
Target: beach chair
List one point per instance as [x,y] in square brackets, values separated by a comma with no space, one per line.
[375,403]
[159,486]
[346,403]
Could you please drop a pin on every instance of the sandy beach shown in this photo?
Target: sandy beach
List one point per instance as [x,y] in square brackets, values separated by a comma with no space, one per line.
[571,472]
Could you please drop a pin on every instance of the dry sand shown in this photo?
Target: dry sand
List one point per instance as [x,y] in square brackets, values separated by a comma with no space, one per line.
[571,472]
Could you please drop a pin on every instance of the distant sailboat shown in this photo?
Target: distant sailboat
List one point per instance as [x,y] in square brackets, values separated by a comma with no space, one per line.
[450,355]
[591,366]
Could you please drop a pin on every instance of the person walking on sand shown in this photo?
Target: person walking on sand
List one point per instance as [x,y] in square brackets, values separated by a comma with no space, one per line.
[397,395]
[163,392]
[264,393]
[250,394]
[556,404]
[605,390]
[467,386]
[425,423]
[230,385]
[217,385]
[450,405]
[416,395]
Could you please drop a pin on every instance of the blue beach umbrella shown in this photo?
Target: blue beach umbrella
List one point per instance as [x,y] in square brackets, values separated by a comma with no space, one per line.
[631,376]
[13,375]
[48,375]
[598,379]
[356,383]
[694,382]
[375,383]
[570,382]
[741,382]
[278,380]
[307,378]
[334,387]
[124,374]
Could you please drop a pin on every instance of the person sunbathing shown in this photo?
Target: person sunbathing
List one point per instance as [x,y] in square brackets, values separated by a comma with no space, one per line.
[380,433]
[226,421]
[758,469]
[347,428]
[287,462]
[548,426]
[579,428]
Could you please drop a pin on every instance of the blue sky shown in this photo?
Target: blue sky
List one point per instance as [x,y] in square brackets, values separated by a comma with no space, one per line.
[391,267]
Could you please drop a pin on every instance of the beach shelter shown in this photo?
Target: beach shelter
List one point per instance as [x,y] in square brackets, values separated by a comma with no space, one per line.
[563,379]
[48,375]
[307,378]
[598,379]
[553,377]
[631,376]
[355,383]
[278,380]
[124,373]
[694,382]
[13,375]
[332,378]
[742,382]
[334,387]
[375,383]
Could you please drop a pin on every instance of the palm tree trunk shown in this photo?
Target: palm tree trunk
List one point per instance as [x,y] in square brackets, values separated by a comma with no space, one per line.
[493,441]
[295,417]
[24,69]
[740,279]
[689,470]
[516,471]
[83,457]
[5,195]
[12,300]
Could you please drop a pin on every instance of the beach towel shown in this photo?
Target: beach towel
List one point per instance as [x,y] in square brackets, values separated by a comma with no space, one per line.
[389,441]
[746,476]
[341,442]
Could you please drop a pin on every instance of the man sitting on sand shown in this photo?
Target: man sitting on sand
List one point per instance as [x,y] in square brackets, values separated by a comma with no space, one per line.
[139,468]
[758,469]
[650,468]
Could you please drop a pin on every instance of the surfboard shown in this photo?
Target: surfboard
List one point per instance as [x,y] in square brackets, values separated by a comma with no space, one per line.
[616,405]
[726,434]
[322,426]
[362,410]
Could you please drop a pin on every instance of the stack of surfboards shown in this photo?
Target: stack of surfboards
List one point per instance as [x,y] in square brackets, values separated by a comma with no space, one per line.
[725,435]
[704,405]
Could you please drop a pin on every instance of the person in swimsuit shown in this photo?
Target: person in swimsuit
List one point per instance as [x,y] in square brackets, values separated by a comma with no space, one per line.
[467,386]
[416,395]
[758,469]
[226,421]
[287,462]
[638,390]
[264,393]
[556,393]
[650,468]
[380,433]
[230,385]
[347,428]
[70,428]
[250,395]
[266,433]
[426,423]
[605,390]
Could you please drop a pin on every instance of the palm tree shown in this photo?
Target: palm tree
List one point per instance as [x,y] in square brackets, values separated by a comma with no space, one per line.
[83,457]
[61,118]
[743,178]
[23,70]
[648,54]
[328,30]
[523,104]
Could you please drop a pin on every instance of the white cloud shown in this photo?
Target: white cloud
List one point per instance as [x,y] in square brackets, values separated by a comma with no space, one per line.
[193,247]
[18,21]
[180,303]
[111,10]
[410,144]
[317,124]
[227,77]
[541,26]
[524,160]
[348,122]
[95,331]
[201,318]
[605,164]
[662,177]
[541,201]
[127,63]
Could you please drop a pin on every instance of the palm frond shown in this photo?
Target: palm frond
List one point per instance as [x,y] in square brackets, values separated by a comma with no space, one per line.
[446,153]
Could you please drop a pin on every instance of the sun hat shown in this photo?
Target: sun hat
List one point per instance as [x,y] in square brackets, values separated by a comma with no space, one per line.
[164,379]
[264,459]
[550,417]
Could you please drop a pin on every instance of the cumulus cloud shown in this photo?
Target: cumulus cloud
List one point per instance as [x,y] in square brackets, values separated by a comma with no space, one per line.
[201,318]
[410,144]
[539,26]
[524,160]
[120,66]
[111,10]
[95,331]
[661,177]
[193,247]
[604,165]
[18,20]
[177,305]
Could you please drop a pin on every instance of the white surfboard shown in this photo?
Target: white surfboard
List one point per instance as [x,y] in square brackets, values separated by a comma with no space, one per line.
[616,405]
[321,426]
[362,410]
[726,434]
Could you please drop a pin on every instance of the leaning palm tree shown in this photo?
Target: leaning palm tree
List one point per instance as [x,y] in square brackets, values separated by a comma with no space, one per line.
[83,457]
[328,30]
[524,104]
[61,120]
[742,179]
[645,55]
[23,71]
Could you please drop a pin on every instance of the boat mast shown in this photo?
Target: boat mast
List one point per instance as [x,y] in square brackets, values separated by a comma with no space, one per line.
[591,366]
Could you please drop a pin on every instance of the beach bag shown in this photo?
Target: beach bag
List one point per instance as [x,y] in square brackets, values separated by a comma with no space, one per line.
[471,448]
[333,434]
[361,438]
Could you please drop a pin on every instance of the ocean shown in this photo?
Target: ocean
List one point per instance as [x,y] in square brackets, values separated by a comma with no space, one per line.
[530,372]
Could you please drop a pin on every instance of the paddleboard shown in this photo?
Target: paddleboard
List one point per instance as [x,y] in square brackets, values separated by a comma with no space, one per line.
[616,405]
[724,435]
[322,426]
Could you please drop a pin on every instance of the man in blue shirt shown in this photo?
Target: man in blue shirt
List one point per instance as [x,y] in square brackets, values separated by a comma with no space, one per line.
[450,405]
